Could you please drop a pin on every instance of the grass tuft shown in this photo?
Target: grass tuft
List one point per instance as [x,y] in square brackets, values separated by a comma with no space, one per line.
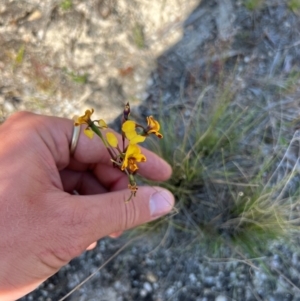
[227,190]
[20,55]
[294,5]
[66,4]
[75,77]
[138,36]
[253,4]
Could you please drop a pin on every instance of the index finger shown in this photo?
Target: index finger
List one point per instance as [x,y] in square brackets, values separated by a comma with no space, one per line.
[92,151]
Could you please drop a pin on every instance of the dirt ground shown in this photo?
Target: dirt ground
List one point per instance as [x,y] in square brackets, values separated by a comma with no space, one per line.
[60,57]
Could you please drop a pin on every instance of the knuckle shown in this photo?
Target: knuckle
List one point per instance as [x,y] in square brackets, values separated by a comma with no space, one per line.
[20,116]
[130,216]
[22,120]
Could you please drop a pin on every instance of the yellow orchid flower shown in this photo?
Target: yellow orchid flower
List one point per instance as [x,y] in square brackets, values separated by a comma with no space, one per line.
[132,156]
[112,139]
[85,119]
[153,127]
[102,124]
[89,133]
[128,128]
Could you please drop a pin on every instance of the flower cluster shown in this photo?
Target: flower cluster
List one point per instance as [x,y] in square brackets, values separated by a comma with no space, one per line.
[128,154]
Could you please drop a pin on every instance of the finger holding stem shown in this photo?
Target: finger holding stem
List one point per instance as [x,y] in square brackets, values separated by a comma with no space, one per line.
[126,160]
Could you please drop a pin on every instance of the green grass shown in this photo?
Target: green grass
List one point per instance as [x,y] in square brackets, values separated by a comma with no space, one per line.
[227,190]
[18,58]
[20,55]
[253,4]
[138,36]
[294,5]
[290,83]
[77,78]
[66,4]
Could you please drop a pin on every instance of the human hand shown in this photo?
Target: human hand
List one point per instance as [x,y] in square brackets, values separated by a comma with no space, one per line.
[42,225]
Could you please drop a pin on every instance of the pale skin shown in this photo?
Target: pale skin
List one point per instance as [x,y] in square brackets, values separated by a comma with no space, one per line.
[42,224]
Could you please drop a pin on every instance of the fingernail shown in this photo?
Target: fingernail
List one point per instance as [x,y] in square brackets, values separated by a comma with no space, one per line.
[161,203]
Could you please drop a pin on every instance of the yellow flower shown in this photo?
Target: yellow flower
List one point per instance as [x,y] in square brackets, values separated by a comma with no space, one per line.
[132,156]
[111,139]
[88,132]
[128,128]
[85,119]
[102,124]
[153,127]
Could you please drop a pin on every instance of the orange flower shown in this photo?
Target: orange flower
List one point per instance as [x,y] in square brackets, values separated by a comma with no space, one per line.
[85,119]
[153,127]
[132,156]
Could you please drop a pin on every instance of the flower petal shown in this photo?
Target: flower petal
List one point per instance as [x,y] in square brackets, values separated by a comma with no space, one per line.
[102,124]
[132,149]
[153,127]
[112,139]
[89,133]
[133,154]
[136,139]
[130,135]
[85,119]
[128,126]
[140,158]
[152,123]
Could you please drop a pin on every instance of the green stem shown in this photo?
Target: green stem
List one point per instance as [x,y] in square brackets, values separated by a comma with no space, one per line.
[96,130]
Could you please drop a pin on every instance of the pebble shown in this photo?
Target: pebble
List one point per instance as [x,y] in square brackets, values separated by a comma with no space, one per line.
[209,280]
[143,293]
[8,107]
[170,291]
[34,16]
[192,278]
[147,286]
[151,277]
[247,59]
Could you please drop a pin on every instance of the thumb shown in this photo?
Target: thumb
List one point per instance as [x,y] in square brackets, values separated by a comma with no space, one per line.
[96,216]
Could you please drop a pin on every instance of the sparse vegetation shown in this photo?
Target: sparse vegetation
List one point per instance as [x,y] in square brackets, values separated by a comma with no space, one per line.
[290,83]
[294,5]
[226,188]
[66,4]
[20,56]
[138,36]
[75,77]
[253,4]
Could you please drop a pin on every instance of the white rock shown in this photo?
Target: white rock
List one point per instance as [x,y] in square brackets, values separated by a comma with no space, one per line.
[147,286]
